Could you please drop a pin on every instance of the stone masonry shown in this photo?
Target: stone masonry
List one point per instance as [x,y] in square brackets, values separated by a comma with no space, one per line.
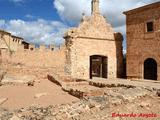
[15,51]
[9,42]
[143,42]
[93,37]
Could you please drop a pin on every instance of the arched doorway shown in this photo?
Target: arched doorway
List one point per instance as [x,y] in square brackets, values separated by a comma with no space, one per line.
[150,69]
[98,66]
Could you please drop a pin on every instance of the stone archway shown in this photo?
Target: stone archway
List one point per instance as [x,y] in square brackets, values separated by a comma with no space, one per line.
[150,69]
[98,66]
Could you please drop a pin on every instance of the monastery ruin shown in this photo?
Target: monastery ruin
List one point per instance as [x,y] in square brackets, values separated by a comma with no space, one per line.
[93,49]
[15,50]
[13,43]
[85,78]
[80,58]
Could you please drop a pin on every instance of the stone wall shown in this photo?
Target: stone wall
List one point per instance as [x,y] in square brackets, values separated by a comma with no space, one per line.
[119,54]
[14,43]
[94,36]
[81,51]
[7,41]
[35,58]
[4,40]
[140,43]
[35,62]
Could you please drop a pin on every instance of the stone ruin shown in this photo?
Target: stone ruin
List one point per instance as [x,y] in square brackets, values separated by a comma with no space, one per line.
[93,48]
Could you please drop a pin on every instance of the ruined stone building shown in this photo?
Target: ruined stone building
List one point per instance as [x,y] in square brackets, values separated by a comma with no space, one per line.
[9,42]
[16,51]
[93,48]
[143,42]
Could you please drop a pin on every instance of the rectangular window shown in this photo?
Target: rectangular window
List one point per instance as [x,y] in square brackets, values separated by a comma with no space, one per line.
[150,27]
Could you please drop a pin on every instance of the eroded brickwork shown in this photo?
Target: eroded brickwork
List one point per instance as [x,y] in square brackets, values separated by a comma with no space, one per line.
[18,56]
[9,42]
[92,49]
[35,58]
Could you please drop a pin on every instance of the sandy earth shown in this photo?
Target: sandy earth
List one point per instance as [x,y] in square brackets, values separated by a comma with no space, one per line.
[23,96]
[55,104]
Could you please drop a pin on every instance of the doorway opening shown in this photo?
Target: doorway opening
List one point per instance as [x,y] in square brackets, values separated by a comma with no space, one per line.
[150,69]
[98,66]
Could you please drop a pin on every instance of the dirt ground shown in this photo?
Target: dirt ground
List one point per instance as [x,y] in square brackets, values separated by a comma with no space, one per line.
[20,96]
[47,101]
[102,99]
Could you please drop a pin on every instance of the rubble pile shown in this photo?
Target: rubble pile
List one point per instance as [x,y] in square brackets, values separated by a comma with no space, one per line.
[92,108]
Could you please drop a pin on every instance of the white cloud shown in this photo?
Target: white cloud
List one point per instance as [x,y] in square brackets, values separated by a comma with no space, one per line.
[2,23]
[43,31]
[39,31]
[17,0]
[71,10]
[29,16]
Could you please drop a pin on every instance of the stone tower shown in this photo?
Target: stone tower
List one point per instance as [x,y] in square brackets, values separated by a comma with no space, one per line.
[91,48]
[95,7]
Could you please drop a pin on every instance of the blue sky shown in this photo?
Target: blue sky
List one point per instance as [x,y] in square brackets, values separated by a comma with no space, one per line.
[45,21]
[27,9]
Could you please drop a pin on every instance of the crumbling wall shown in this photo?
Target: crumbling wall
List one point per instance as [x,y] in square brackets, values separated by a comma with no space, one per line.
[34,62]
[94,36]
[119,52]
[82,49]
[35,58]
